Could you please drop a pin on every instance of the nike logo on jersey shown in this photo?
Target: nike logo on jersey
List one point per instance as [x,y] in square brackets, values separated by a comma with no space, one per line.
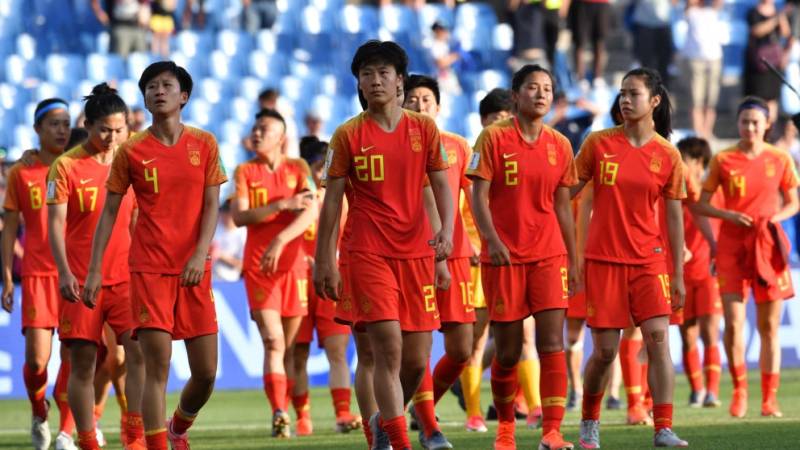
[255,184]
[366,149]
[508,155]
[608,155]
[31,183]
[147,161]
[735,171]
[86,180]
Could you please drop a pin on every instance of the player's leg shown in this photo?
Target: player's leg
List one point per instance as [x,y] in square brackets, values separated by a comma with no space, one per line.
[574,354]
[271,329]
[80,390]
[614,383]
[386,340]
[690,331]
[201,352]
[66,421]
[528,374]
[457,353]
[134,382]
[365,395]
[300,399]
[733,339]
[553,384]
[37,355]
[605,343]
[768,317]
[473,372]
[508,348]
[290,325]
[156,347]
[709,334]
[629,348]
[339,381]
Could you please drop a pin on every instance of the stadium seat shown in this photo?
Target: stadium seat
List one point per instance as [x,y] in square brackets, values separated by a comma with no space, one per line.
[12,97]
[503,37]
[473,127]
[356,19]
[398,18]
[473,16]
[137,62]
[231,132]
[242,110]
[26,46]
[51,90]
[24,135]
[129,91]
[223,66]
[200,112]
[19,70]
[250,87]
[64,68]
[233,43]
[266,41]
[267,66]
[189,43]
[490,79]
[314,21]
[104,67]
[102,42]
[790,103]
[82,88]
[431,13]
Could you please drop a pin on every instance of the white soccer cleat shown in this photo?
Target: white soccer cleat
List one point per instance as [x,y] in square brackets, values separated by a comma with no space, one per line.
[667,438]
[65,442]
[40,433]
[590,434]
[101,439]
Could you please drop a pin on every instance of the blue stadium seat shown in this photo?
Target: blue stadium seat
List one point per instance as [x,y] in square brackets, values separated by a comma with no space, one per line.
[104,67]
[129,91]
[26,46]
[231,132]
[490,79]
[398,18]
[18,70]
[473,16]
[212,90]
[315,21]
[356,19]
[267,41]
[224,67]
[243,110]
[315,48]
[503,37]
[200,112]
[233,43]
[250,87]
[25,137]
[64,68]
[790,103]
[51,90]
[192,43]
[267,66]
[82,88]
[326,5]
[473,127]
[12,97]
[102,42]
[732,60]
[137,62]
[433,12]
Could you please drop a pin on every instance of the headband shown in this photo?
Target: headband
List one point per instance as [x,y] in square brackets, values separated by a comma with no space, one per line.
[55,105]
[753,105]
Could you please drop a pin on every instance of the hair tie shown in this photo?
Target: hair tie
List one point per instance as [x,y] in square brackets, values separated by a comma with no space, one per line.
[55,105]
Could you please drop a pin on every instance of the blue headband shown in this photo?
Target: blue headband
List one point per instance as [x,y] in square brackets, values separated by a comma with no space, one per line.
[55,105]
[753,105]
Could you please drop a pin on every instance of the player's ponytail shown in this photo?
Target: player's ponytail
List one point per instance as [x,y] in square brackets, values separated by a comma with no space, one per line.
[103,102]
[662,114]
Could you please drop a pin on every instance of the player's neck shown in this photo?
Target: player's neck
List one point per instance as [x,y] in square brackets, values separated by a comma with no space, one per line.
[387,116]
[48,156]
[272,159]
[102,157]
[530,127]
[751,148]
[639,132]
[167,129]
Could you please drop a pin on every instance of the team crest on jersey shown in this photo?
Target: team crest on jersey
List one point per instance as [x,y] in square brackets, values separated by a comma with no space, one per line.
[770,166]
[452,158]
[416,140]
[655,165]
[291,181]
[551,155]
[194,157]
[65,326]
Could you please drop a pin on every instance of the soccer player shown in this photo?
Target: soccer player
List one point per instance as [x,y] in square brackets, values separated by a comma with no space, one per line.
[385,153]
[703,308]
[25,198]
[333,337]
[752,175]
[522,171]
[454,291]
[631,166]
[273,199]
[75,199]
[175,172]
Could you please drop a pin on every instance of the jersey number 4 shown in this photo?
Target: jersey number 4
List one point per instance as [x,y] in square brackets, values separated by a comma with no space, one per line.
[152,176]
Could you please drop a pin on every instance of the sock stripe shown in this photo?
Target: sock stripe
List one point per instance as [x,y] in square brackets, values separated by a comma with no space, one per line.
[553,401]
[155,432]
[422,396]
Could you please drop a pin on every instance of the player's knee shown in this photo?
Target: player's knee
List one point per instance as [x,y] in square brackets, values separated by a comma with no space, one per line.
[767,329]
[606,355]
[205,375]
[274,344]
[657,337]
[507,358]
[36,364]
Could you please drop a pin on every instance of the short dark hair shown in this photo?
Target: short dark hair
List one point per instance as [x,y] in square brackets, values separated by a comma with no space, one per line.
[497,100]
[103,102]
[424,81]
[77,136]
[695,148]
[269,94]
[47,105]
[312,149]
[527,69]
[157,68]
[271,113]
[375,51]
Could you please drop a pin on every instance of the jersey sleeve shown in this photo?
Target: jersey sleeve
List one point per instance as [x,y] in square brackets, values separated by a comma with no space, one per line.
[119,178]
[437,157]
[465,182]
[584,163]
[675,187]
[240,179]
[789,179]
[215,171]
[712,180]
[692,189]
[570,176]
[303,175]
[339,159]
[481,164]
[58,183]
[11,202]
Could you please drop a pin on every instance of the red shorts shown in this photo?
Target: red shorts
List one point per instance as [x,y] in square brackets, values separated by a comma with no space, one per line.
[113,307]
[621,295]
[159,301]
[702,298]
[734,282]
[320,316]
[394,289]
[344,307]
[517,291]
[286,292]
[456,304]
[577,306]
[40,301]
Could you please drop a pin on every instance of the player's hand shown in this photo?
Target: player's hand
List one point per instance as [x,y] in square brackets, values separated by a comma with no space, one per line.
[712,249]
[573,279]
[442,244]
[69,287]
[327,281]
[741,219]
[678,290]
[270,258]
[442,277]
[475,259]
[299,202]
[28,157]
[8,296]
[193,271]
[90,288]
[498,253]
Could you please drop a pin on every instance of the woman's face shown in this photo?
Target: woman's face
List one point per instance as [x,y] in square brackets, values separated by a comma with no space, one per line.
[53,130]
[108,132]
[752,124]
[535,97]
[635,101]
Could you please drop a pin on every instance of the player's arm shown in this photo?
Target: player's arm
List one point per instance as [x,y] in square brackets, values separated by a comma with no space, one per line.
[56,224]
[674,211]
[243,216]
[563,210]
[327,282]
[704,226]
[443,239]
[102,234]
[575,190]
[704,207]
[442,273]
[498,252]
[790,206]
[195,268]
[9,238]
[307,216]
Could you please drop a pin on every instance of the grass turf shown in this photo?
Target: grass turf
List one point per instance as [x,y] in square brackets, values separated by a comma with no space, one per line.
[239,420]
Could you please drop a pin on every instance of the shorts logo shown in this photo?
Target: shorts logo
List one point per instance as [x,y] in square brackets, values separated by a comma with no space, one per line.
[194,157]
[260,295]
[364,305]
[551,155]
[144,316]
[655,165]
[589,309]
[291,182]
[770,166]
[65,326]
[31,313]
[346,304]
[499,307]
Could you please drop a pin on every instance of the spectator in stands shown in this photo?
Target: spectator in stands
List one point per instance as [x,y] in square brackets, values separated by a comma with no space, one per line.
[127,21]
[136,119]
[80,120]
[162,24]
[652,31]
[767,26]
[444,57]
[572,124]
[314,126]
[268,99]
[228,246]
[590,21]
[194,13]
[259,14]
[527,20]
[703,58]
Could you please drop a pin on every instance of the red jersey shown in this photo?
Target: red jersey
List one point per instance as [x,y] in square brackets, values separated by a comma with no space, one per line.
[699,266]
[25,193]
[751,186]
[169,183]
[387,171]
[259,186]
[76,179]
[628,181]
[524,177]
[692,195]
[458,151]
[310,235]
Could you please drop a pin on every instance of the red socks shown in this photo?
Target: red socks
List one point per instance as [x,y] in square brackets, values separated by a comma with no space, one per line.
[301,405]
[36,385]
[445,374]
[367,431]
[631,369]
[712,368]
[769,387]
[739,375]
[341,401]
[156,439]
[662,416]
[396,429]
[66,422]
[591,406]
[275,385]
[553,386]
[181,420]
[423,404]
[87,440]
[691,365]
[135,427]
[504,389]
[289,390]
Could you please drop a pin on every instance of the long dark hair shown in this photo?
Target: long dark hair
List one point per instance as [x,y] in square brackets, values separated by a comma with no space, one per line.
[102,102]
[662,115]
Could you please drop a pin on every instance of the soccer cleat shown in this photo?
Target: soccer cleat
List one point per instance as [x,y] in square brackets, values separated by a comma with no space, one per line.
[637,415]
[459,393]
[711,401]
[695,399]
[101,439]
[138,444]
[534,419]
[436,441]
[40,433]
[380,440]
[667,438]
[65,442]
[738,406]
[177,441]
[590,434]
[304,426]
[476,424]
[347,423]
[413,424]
[770,409]
[613,403]
[504,440]
[554,441]
[281,425]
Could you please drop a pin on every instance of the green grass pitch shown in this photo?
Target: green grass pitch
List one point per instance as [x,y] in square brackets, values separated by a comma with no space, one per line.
[239,420]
